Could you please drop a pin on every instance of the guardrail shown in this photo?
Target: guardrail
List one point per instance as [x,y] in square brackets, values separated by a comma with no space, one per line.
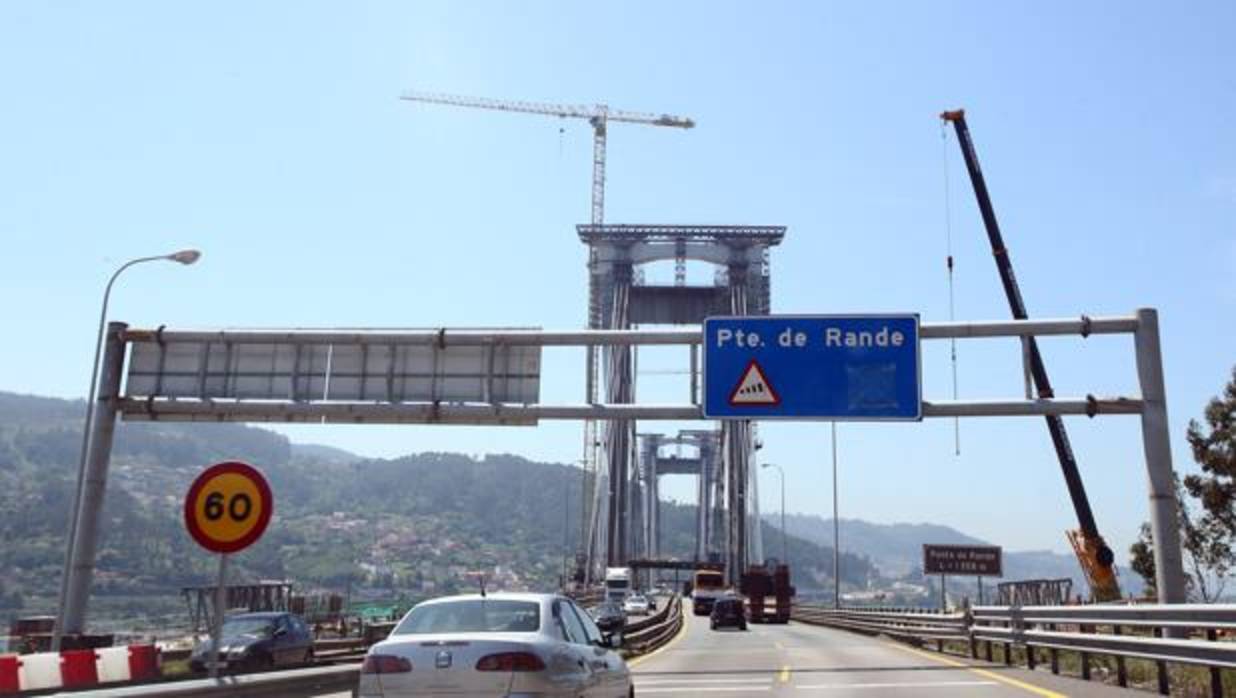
[639,637]
[648,634]
[907,624]
[590,597]
[324,649]
[1181,634]
[296,682]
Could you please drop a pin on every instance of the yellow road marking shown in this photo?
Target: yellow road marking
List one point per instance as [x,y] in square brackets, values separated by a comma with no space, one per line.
[981,672]
[682,631]
[784,676]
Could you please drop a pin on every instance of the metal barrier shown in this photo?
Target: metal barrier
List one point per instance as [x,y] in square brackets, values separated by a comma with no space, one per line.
[646,635]
[587,597]
[271,684]
[639,637]
[910,624]
[1161,633]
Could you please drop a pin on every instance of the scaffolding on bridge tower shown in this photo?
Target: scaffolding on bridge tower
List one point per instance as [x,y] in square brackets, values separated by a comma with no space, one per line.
[742,286]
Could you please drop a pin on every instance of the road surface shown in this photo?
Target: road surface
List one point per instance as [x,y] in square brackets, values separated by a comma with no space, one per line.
[805,661]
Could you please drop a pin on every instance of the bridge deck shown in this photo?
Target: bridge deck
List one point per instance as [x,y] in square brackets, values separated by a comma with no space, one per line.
[805,661]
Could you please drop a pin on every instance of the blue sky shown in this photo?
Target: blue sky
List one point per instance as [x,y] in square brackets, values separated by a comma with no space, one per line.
[270,135]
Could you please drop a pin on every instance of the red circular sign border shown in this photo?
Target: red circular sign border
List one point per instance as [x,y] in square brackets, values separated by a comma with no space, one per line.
[268,505]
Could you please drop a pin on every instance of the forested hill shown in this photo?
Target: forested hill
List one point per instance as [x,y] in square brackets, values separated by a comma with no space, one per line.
[414,525]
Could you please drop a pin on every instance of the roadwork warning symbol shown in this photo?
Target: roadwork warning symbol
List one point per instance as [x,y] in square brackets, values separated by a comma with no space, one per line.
[754,388]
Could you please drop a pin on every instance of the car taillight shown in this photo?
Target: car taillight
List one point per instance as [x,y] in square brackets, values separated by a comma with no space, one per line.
[510,661]
[385,664]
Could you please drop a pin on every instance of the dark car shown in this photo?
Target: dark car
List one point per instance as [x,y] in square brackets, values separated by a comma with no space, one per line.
[256,641]
[728,612]
[609,617]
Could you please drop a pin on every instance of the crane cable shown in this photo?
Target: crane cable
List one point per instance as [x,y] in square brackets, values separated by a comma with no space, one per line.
[948,238]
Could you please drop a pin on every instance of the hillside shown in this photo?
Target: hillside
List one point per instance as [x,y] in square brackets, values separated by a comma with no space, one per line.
[897,549]
[410,526]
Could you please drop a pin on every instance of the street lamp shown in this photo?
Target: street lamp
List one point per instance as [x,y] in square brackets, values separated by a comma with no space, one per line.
[184,257]
[785,554]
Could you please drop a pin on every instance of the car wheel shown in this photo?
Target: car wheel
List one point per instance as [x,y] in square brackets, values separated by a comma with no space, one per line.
[308,657]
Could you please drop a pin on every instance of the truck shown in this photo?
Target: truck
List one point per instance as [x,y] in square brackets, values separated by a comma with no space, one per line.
[760,585]
[617,584]
[706,587]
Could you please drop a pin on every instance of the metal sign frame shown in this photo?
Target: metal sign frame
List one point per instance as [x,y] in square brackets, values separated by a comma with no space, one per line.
[112,402]
[330,368]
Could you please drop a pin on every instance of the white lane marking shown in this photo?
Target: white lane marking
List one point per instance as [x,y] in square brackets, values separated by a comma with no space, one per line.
[918,684]
[649,682]
[704,689]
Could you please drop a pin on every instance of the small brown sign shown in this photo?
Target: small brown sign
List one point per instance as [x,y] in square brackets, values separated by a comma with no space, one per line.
[973,560]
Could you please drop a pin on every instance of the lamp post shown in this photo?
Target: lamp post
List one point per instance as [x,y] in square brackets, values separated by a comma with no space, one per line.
[785,549]
[183,257]
[836,530]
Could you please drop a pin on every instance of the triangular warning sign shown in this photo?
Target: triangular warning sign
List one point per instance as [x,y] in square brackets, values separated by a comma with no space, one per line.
[754,388]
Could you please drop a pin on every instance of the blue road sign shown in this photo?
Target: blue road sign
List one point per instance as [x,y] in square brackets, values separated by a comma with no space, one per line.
[827,367]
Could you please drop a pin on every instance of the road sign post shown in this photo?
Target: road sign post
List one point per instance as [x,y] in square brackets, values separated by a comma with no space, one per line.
[825,367]
[226,510]
[216,625]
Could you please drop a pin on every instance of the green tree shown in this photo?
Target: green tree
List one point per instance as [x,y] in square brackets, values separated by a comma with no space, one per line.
[1214,448]
[1207,541]
[1207,549]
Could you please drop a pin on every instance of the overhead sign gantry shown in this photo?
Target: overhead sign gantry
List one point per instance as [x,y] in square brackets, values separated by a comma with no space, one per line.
[152,393]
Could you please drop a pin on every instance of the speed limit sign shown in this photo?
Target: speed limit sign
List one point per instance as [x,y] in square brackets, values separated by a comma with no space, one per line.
[228,507]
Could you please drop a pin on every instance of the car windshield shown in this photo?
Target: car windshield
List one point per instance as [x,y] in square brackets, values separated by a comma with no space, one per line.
[260,627]
[472,616]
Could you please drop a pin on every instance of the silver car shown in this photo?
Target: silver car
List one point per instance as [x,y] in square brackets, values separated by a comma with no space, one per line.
[502,644]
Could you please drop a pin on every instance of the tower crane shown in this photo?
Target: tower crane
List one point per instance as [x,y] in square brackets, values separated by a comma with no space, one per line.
[599,117]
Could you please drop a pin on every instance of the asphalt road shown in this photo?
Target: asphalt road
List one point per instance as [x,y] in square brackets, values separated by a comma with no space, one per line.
[805,661]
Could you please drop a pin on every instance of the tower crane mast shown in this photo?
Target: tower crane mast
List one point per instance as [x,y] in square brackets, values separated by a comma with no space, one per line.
[599,117]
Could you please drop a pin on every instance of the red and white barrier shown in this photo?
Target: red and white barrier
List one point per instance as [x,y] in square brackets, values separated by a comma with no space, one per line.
[77,668]
[9,668]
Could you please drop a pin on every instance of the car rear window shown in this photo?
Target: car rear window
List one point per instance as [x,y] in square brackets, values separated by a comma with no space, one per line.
[472,616]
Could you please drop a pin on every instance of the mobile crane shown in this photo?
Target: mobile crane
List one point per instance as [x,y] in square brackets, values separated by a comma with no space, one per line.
[1093,553]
